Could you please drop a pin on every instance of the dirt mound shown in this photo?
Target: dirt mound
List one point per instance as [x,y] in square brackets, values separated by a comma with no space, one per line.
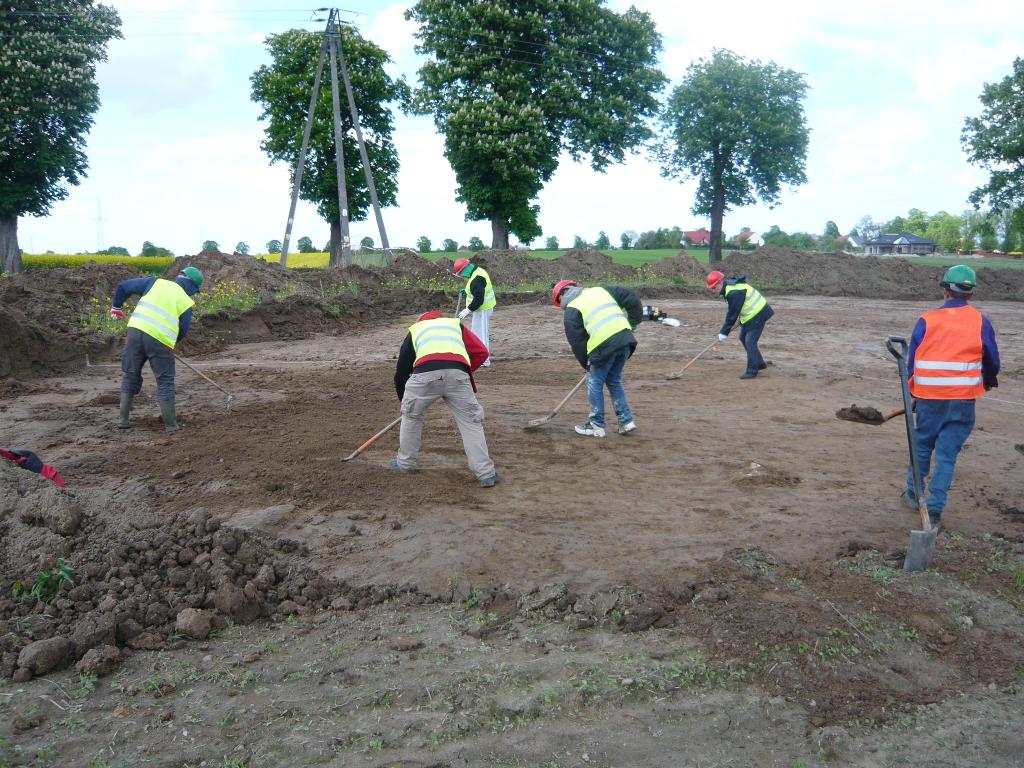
[837,274]
[513,268]
[268,279]
[108,567]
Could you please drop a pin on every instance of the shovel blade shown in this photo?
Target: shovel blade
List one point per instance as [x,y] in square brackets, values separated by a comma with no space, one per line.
[920,551]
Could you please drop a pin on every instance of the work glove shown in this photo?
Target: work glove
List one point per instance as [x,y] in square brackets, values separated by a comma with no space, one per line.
[722,337]
[464,313]
[117,313]
[670,321]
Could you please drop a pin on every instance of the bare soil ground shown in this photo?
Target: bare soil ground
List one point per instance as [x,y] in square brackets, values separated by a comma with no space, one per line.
[720,588]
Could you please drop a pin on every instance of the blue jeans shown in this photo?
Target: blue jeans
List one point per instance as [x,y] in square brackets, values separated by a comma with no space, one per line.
[610,375]
[942,427]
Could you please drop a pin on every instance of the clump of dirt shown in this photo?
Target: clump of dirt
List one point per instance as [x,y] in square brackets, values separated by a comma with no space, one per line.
[111,568]
[863,414]
[838,274]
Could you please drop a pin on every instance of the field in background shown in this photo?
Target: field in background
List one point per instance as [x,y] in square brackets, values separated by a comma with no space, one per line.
[156,265]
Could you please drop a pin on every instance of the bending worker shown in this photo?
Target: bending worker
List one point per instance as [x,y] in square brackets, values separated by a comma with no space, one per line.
[437,360]
[747,305]
[160,320]
[953,360]
[599,324]
[480,300]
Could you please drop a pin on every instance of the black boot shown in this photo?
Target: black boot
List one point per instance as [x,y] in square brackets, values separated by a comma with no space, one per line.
[126,409]
[167,413]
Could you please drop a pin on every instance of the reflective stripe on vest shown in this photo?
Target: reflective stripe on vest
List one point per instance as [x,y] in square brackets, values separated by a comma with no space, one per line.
[752,304]
[489,302]
[440,336]
[158,311]
[602,316]
[947,362]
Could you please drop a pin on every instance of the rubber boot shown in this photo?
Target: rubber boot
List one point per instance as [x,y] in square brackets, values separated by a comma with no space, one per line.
[126,409]
[167,413]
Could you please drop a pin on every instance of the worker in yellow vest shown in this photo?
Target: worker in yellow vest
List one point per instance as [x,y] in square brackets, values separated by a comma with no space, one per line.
[437,360]
[480,301]
[160,320]
[599,324]
[747,305]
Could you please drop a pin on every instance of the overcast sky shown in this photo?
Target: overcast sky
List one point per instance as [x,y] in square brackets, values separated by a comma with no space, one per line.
[174,154]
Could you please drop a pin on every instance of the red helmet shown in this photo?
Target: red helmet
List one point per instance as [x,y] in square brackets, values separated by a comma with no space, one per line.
[715,279]
[460,264]
[560,286]
[431,315]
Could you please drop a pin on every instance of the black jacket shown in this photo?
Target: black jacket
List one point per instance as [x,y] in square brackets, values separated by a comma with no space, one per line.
[735,301]
[577,334]
[477,288]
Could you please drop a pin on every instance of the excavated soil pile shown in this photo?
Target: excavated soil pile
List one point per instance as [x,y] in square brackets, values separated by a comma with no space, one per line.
[44,315]
[862,414]
[829,274]
[513,268]
[136,575]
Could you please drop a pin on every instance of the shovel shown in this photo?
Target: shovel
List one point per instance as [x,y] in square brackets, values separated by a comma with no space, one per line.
[922,543]
[371,441]
[545,419]
[865,414]
[680,372]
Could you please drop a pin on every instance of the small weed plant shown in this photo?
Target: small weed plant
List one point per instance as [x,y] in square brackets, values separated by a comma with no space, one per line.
[47,584]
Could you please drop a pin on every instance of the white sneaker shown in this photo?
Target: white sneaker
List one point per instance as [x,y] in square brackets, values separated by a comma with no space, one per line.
[625,429]
[589,430]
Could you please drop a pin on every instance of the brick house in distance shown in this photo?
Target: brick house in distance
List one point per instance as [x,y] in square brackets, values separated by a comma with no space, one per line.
[903,242]
[698,238]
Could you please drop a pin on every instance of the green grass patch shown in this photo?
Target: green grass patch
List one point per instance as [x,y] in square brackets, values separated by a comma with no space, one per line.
[226,295]
[986,262]
[152,265]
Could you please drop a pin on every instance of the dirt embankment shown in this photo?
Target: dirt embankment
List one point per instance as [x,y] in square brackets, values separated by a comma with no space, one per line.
[50,319]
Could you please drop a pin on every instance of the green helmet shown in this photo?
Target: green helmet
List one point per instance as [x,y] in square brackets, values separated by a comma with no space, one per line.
[196,276]
[960,278]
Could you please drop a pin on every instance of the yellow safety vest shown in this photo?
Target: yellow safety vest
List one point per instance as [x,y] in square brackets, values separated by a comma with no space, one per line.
[752,304]
[440,336]
[158,311]
[489,300]
[602,316]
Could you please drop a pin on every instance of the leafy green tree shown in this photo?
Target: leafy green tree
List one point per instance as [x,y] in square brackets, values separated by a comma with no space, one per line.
[580,243]
[625,241]
[449,245]
[242,248]
[423,244]
[831,230]
[148,249]
[305,245]
[366,242]
[602,241]
[282,89]
[738,127]
[273,246]
[551,243]
[211,245]
[944,228]
[916,222]
[868,228]
[115,250]
[48,96]
[514,83]
[995,141]
[475,244]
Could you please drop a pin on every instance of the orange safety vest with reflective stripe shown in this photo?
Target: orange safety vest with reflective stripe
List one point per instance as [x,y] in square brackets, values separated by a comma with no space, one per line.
[947,362]
[158,311]
[440,336]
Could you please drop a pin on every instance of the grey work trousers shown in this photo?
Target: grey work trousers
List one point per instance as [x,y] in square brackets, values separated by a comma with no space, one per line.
[453,386]
[138,348]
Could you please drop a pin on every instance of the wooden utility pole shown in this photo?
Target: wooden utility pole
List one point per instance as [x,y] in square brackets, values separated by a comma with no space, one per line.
[331,45]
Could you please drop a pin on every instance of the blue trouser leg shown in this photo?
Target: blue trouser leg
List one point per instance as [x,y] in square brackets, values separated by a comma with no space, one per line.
[596,377]
[941,428]
[133,357]
[749,336]
[616,390]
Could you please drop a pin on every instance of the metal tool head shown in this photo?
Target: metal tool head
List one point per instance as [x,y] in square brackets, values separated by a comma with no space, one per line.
[537,423]
[920,551]
[674,376]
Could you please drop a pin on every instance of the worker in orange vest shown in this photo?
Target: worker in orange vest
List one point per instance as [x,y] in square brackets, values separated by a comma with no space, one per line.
[953,360]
